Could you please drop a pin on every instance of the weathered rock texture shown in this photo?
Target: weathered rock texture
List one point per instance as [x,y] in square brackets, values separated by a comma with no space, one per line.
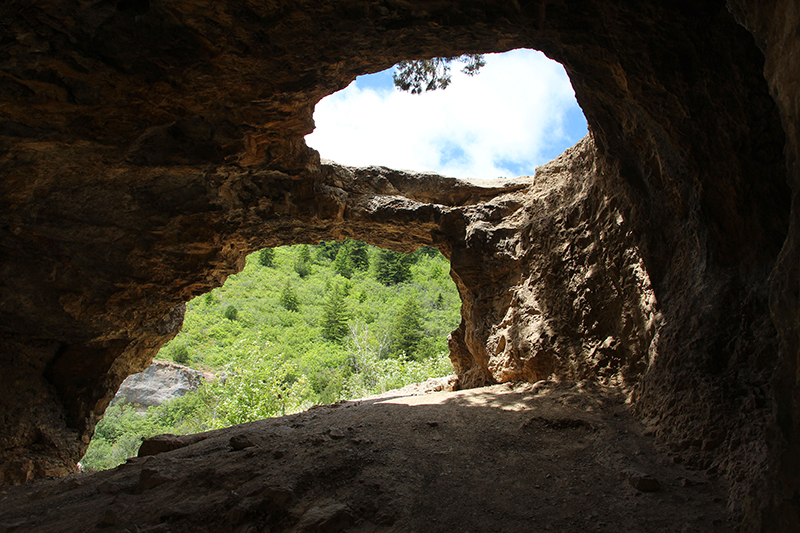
[558,458]
[147,145]
[159,383]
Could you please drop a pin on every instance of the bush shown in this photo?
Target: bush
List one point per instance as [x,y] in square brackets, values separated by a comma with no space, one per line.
[231,313]
[181,355]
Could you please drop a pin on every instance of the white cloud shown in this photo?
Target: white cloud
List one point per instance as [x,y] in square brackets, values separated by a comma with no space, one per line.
[499,123]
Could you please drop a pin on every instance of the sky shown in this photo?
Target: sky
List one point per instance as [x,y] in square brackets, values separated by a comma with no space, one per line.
[517,113]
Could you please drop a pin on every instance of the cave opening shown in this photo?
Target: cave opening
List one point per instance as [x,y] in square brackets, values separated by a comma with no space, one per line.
[518,112]
[299,326]
[145,153]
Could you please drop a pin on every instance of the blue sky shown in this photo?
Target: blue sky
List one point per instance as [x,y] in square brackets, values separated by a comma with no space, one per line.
[517,113]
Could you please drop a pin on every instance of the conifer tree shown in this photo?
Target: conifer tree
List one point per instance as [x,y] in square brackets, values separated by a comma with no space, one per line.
[359,255]
[302,262]
[393,267]
[289,299]
[407,328]
[431,74]
[335,316]
[266,257]
[343,264]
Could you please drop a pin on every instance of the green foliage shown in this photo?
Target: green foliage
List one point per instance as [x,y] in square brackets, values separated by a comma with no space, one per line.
[407,329]
[327,250]
[289,299]
[266,257]
[258,386]
[343,264]
[181,355]
[211,298]
[393,267]
[231,313]
[359,254]
[121,431]
[277,359]
[302,262]
[434,73]
[336,315]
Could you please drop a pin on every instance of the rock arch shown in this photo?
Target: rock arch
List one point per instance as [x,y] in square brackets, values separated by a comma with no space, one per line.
[147,146]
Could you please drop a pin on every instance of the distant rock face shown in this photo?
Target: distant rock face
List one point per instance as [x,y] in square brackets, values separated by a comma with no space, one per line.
[159,383]
[147,147]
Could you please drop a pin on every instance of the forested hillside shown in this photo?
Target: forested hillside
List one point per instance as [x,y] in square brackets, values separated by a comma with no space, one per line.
[300,325]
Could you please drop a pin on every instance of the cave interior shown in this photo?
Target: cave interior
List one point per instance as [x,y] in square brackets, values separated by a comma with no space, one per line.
[147,146]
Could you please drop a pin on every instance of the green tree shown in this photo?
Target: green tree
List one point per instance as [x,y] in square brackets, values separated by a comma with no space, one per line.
[266,257]
[302,262]
[412,76]
[231,313]
[327,249]
[288,298]
[343,264]
[407,328]
[393,267]
[359,254]
[211,298]
[335,316]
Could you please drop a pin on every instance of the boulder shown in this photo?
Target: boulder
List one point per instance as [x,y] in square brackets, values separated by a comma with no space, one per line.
[159,383]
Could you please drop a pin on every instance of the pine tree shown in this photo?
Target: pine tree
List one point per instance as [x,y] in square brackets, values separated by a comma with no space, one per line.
[302,262]
[335,316]
[433,73]
[393,267]
[359,254]
[266,257]
[343,264]
[327,250]
[407,328]
[289,299]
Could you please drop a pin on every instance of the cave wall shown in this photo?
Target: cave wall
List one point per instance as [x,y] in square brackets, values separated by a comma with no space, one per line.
[147,145]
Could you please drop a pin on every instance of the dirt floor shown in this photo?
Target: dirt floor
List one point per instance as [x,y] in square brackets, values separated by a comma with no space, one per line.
[505,458]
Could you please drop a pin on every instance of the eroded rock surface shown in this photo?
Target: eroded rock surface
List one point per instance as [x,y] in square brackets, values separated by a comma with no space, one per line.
[147,146]
[158,383]
[557,458]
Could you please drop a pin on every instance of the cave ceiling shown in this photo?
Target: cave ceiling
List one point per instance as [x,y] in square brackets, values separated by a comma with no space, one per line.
[146,146]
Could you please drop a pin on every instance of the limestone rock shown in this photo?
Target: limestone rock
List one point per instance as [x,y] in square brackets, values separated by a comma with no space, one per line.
[166,443]
[159,383]
[480,466]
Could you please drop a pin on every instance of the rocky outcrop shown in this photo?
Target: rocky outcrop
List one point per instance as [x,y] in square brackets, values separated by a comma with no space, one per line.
[147,146]
[394,463]
[159,383]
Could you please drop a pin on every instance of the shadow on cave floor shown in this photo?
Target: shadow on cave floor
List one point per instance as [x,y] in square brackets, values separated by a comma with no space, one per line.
[511,458]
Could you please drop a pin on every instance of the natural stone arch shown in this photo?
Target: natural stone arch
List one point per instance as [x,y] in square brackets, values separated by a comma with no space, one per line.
[146,147]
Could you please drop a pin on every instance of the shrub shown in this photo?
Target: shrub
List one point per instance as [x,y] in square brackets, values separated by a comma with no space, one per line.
[181,355]
[231,313]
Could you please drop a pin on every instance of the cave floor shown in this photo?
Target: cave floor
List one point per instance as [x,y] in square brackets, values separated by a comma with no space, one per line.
[505,458]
